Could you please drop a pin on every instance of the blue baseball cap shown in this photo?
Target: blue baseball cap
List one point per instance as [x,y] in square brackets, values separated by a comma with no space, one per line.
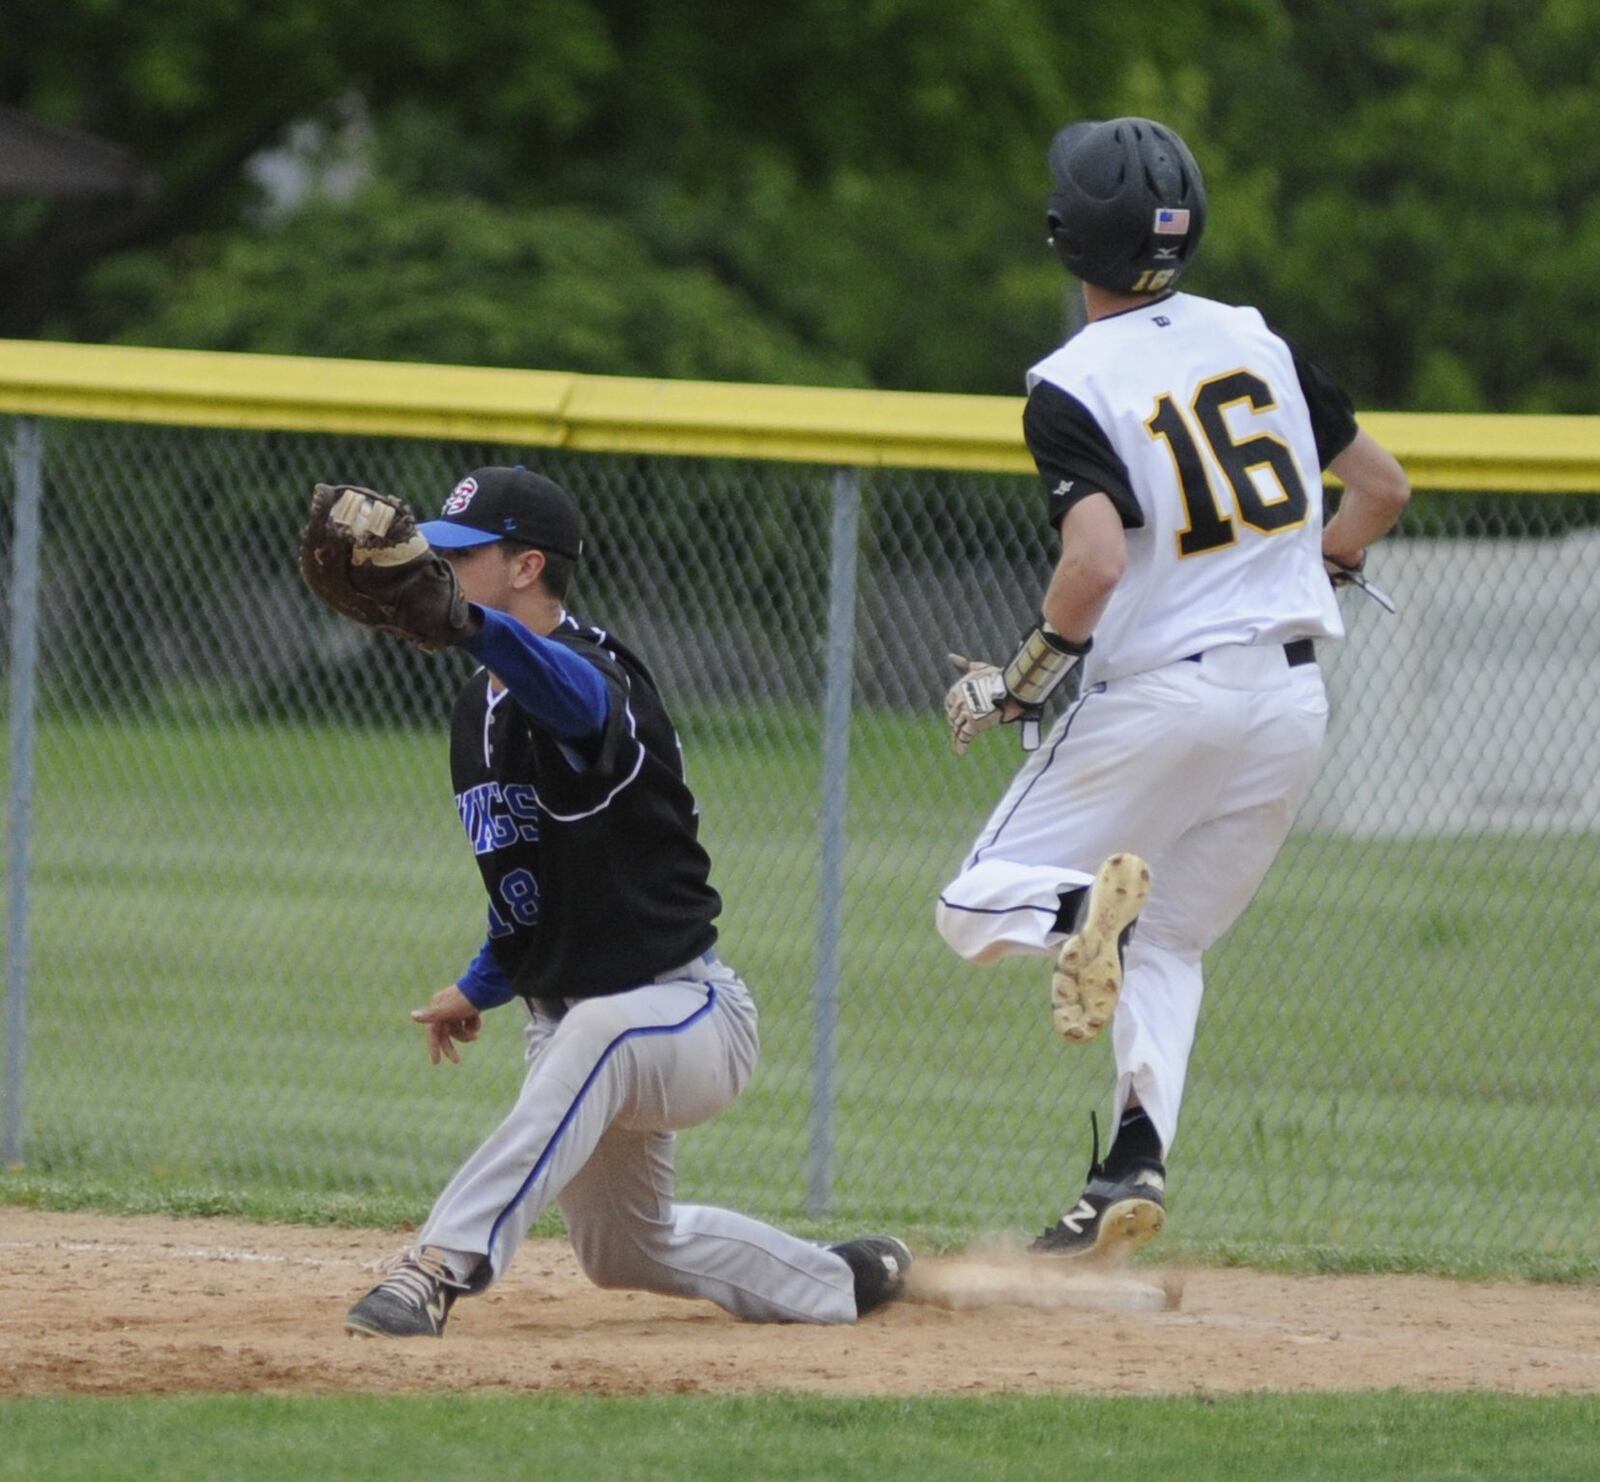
[492,504]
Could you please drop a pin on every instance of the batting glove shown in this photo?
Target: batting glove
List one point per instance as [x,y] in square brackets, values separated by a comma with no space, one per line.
[972,704]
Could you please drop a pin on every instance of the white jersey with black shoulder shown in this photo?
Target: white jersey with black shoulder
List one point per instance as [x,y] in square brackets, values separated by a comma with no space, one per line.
[1209,433]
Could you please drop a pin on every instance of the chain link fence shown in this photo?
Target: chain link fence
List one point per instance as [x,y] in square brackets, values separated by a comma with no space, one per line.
[246,863]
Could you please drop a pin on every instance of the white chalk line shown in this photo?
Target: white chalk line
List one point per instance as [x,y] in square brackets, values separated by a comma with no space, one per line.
[219,1253]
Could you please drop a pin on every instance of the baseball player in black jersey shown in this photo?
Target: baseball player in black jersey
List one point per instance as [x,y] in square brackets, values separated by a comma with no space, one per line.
[1182,443]
[569,781]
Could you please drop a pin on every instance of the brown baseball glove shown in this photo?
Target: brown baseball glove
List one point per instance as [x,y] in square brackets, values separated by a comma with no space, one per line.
[363,555]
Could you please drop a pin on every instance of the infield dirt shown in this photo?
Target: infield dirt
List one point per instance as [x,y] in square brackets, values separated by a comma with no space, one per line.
[93,1304]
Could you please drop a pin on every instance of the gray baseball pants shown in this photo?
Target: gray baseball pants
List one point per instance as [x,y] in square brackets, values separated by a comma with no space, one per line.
[609,1082]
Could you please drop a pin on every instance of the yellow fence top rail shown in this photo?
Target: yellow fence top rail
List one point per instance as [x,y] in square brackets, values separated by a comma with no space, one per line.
[195,388]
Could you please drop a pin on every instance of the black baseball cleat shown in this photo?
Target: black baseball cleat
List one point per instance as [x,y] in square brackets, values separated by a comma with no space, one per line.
[880,1264]
[1088,971]
[412,1301]
[1112,1218]
[1116,1213]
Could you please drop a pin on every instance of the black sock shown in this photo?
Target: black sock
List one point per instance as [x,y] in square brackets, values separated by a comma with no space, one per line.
[1136,1142]
[1067,912]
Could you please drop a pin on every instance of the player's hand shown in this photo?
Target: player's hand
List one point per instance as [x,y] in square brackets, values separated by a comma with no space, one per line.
[1343,568]
[449,1016]
[364,556]
[1347,571]
[976,702]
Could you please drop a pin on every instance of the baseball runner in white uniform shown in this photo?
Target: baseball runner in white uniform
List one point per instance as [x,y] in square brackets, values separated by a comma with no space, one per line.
[1181,442]
[569,780]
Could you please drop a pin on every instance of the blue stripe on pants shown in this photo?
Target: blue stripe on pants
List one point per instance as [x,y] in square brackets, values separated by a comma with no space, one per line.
[566,1120]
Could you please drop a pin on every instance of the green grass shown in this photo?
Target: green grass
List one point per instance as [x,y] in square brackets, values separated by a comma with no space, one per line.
[1417,1438]
[232,921]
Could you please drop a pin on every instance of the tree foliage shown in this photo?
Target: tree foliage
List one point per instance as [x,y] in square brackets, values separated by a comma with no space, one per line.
[844,191]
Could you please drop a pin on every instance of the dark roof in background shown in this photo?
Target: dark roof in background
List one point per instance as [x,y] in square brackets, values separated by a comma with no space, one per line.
[38,158]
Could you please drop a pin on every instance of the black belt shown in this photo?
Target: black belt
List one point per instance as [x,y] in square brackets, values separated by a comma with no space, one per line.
[557,1008]
[1298,651]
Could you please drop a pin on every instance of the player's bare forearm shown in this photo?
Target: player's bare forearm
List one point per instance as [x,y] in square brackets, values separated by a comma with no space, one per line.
[1094,554]
[1376,492]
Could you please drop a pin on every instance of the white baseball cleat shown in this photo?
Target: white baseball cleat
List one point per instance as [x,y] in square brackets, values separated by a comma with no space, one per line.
[1088,972]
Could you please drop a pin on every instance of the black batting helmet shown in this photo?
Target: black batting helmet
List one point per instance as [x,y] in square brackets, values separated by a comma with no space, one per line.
[1127,204]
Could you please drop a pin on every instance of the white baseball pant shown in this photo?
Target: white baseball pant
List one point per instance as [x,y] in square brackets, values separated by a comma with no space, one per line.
[608,1084]
[1199,767]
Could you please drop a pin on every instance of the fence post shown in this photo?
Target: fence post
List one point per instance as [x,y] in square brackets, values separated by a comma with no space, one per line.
[27,461]
[839,692]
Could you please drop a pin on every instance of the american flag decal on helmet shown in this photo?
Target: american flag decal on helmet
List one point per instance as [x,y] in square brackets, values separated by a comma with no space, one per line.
[1171,222]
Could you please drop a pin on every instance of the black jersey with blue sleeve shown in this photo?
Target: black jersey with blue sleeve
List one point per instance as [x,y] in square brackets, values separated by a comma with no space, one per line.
[584,830]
